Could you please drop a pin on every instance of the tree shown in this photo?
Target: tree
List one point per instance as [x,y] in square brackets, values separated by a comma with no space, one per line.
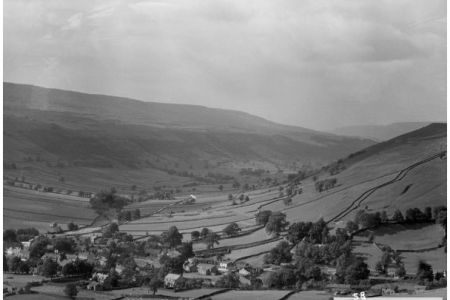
[105,200]
[154,284]
[281,253]
[172,237]
[351,226]
[205,231]
[428,213]
[298,231]
[71,290]
[232,229]
[195,235]
[66,245]
[110,230]
[186,250]
[230,197]
[241,197]
[211,239]
[136,214]
[72,226]
[49,268]
[276,223]
[424,271]
[39,247]
[384,217]
[287,201]
[9,236]
[262,217]
[379,267]
[398,216]
[229,281]
[220,187]
[356,271]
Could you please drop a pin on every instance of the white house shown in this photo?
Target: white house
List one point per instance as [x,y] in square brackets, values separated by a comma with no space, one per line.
[225,266]
[171,279]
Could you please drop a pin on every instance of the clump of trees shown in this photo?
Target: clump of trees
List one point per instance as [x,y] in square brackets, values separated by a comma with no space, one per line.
[232,229]
[106,200]
[279,254]
[276,223]
[262,217]
[129,215]
[325,184]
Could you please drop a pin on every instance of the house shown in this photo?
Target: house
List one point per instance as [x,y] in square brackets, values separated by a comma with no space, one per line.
[99,277]
[87,256]
[27,244]
[391,270]
[171,280]
[244,272]
[119,269]
[173,253]
[225,266]
[102,261]
[206,269]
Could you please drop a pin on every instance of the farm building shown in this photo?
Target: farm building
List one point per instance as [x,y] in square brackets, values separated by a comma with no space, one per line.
[225,266]
[244,272]
[171,280]
[206,269]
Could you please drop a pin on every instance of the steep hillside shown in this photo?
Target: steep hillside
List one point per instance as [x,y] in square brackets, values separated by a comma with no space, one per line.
[421,186]
[44,128]
[379,132]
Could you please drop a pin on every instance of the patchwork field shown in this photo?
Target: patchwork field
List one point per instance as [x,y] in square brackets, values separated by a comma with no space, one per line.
[27,208]
[260,295]
[410,237]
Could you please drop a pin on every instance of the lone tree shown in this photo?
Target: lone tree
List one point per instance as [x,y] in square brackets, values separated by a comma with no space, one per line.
[211,239]
[276,223]
[172,237]
[424,271]
[262,217]
[195,235]
[351,226]
[154,284]
[231,229]
[71,290]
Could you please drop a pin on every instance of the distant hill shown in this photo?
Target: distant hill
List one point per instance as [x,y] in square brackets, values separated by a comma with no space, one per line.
[104,131]
[379,132]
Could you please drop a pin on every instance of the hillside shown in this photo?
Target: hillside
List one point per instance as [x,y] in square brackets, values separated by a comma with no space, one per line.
[379,132]
[47,128]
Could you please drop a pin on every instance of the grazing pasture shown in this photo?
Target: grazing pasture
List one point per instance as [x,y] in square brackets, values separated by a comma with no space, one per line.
[28,208]
[411,237]
[244,295]
[436,258]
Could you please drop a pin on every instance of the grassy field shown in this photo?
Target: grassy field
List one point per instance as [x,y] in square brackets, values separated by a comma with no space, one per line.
[260,295]
[310,295]
[235,254]
[28,208]
[436,258]
[410,237]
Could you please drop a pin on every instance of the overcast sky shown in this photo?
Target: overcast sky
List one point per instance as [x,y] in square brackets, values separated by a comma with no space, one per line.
[317,64]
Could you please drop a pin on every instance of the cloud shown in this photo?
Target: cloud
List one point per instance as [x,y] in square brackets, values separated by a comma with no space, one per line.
[318,63]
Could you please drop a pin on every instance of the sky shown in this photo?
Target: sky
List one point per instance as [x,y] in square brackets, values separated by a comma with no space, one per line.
[317,64]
